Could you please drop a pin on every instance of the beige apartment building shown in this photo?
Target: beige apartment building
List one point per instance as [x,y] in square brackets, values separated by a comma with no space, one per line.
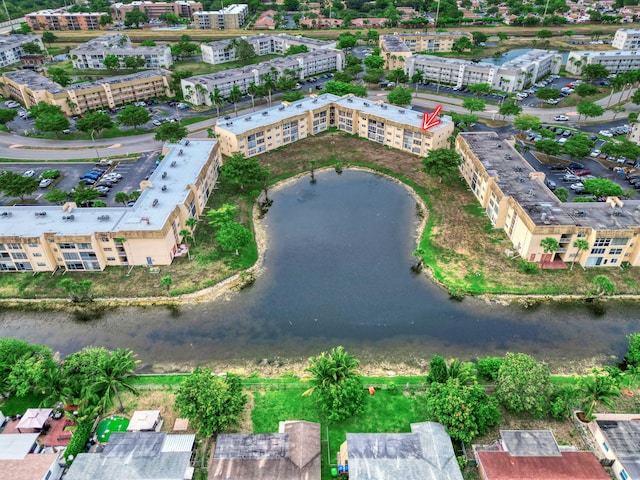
[69,238]
[184,9]
[389,125]
[29,88]
[399,46]
[229,18]
[60,19]
[626,39]
[91,55]
[517,201]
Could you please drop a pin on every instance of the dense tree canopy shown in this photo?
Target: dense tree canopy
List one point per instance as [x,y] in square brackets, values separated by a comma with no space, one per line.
[523,385]
[442,163]
[212,403]
[241,171]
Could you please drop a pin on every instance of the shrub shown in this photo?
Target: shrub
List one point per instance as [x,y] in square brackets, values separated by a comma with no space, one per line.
[488,367]
[564,399]
[633,354]
[529,267]
[78,441]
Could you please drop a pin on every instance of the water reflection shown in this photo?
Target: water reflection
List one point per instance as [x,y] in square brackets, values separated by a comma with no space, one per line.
[337,270]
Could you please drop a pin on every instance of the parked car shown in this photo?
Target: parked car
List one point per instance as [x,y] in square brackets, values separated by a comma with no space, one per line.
[576,166]
[45,183]
[157,123]
[562,140]
[577,187]
[561,118]
[551,185]
[557,166]
[605,133]
[570,177]
[594,153]
[582,173]
[29,173]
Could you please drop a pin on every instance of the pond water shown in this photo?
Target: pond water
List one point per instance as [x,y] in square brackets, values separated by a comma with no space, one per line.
[337,271]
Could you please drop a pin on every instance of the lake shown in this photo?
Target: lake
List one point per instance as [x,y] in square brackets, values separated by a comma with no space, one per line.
[337,271]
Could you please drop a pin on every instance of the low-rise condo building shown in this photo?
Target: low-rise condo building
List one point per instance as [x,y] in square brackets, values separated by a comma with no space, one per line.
[92,54]
[197,89]
[229,18]
[11,47]
[626,39]
[29,88]
[509,77]
[224,51]
[615,61]
[516,200]
[399,46]
[60,19]
[46,239]
[184,9]
[389,125]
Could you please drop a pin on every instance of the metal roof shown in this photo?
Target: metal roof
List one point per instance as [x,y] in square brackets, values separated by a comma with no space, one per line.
[16,446]
[178,443]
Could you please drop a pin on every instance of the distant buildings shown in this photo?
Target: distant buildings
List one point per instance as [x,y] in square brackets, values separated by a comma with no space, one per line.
[47,238]
[399,46]
[184,9]
[197,89]
[509,77]
[93,53]
[223,51]
[389,125]
[615,61]
[60,19]
[11,47]
[517,201]
[265,21]
[30,88]
[229,18]
[626,39]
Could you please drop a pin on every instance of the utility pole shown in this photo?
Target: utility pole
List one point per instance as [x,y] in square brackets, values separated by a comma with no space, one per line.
[7,13]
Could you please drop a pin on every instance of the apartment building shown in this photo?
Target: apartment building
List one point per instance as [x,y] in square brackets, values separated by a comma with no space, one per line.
[509,77]
[197,89]
[29,88]
[46,239]
[626,39]
[11,47]
[517,201]
[60,19]
[228,18]
[184,9]
[389,125]
[616,61]
[92,54]
[397,47]
[264,44]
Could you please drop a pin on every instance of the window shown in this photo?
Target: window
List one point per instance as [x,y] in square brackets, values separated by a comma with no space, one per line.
[19,256]
[70,256]
[14,246]
[619,241]
[602,242]
[624,475]
[33,245]
[84,246]
[67,246]
[615,251]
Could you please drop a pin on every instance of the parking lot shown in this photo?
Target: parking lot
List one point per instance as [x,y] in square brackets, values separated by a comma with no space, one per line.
[132,172]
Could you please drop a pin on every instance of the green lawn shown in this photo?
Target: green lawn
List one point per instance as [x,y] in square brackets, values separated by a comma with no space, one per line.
[385,412]
[19,405]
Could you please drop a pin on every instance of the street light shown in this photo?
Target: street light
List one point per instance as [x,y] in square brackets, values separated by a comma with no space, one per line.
[94,144]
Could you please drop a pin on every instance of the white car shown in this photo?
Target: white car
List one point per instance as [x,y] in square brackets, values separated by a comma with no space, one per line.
[29,173]
[45,183]
[561,118]
[577,187]
[595,153]
[157,123]
[606,133]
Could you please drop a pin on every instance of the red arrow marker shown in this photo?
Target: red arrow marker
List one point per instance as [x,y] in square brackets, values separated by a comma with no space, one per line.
[430,121]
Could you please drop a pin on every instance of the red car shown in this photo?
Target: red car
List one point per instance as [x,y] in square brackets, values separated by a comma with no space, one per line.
[582,173]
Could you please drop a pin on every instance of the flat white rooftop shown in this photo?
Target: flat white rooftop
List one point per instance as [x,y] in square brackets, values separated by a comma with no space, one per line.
[150,212]
[272,115]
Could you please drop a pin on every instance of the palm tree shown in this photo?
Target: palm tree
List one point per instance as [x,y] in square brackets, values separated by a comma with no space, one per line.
[549,245]
[598,389]
[235,95]
[580,245]
[115,374]
[269,83]
[166,282]
[216,99]
[51,385]
[191,223]
[417,78]
[201,93]
[331,368]
[121,197]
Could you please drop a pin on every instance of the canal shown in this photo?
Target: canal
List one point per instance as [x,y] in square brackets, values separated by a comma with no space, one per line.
[337,271]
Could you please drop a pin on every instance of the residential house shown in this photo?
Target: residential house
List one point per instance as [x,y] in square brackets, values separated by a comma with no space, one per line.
[291,454]
[21,458]
[617,437]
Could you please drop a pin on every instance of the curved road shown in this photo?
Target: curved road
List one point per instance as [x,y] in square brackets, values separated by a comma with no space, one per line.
[16,147]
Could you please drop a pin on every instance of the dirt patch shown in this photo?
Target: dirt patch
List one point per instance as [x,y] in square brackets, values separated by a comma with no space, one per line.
[162,400]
